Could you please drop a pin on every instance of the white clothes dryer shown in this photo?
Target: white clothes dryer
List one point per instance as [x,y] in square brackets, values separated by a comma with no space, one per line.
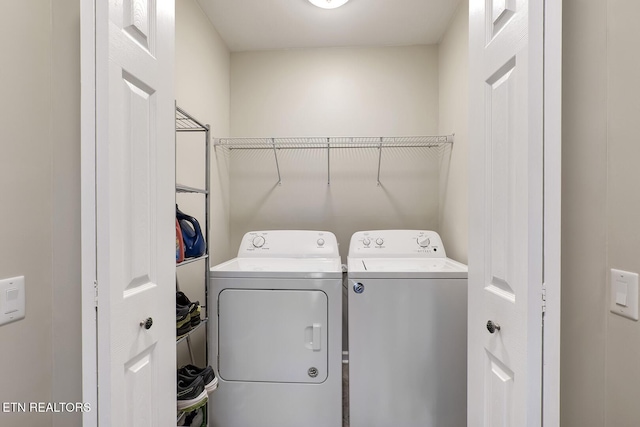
[278,339]
[407,331]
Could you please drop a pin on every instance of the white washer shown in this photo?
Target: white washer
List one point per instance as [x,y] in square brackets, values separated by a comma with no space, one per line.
[278,339]
[407,331]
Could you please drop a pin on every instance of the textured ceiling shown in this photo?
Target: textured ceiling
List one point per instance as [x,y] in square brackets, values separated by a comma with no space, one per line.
[284,24]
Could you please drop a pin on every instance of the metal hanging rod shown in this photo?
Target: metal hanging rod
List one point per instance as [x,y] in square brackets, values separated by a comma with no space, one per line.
[329,143]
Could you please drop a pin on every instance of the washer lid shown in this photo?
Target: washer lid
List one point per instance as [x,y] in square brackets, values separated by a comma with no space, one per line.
[406,268]
[295,268]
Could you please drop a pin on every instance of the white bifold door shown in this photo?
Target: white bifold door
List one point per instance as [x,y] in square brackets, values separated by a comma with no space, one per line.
[128,211]
[513,203]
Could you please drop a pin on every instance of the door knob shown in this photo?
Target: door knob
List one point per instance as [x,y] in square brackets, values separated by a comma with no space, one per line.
[492,327]
[147,323]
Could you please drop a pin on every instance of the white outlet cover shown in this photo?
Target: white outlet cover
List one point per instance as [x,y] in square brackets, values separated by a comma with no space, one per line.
[12,299]
[624,293]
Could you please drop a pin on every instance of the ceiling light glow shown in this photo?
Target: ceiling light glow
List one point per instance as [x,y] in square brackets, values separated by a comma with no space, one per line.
[328,4]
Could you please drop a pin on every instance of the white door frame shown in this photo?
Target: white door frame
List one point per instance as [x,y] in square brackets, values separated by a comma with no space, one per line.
[88,209]
[552,210]
[552,215]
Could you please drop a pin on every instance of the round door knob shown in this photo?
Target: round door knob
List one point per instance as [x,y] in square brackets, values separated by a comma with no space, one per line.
[147,324]
[492,327]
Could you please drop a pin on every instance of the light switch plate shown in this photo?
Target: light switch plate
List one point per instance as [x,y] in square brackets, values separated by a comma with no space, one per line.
[12,300]
[624,293]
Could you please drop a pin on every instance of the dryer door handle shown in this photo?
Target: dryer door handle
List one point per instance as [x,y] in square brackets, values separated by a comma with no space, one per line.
[315,344]
[314,337]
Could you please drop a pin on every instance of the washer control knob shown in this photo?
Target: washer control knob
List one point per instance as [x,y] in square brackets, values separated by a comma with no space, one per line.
[366,241]
[423,242]
[258,242]
[320,242]
[379,241]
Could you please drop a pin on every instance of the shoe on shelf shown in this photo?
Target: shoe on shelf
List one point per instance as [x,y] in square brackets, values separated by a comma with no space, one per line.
[198,418]
[194,307]
[183,321]
[191,394]
[189,372]
[195,418]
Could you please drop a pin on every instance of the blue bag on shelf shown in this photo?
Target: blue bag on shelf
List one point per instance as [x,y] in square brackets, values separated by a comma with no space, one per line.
[194,244]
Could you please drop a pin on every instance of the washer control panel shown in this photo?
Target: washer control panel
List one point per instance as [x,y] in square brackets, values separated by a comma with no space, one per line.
[396,243]
[289,244]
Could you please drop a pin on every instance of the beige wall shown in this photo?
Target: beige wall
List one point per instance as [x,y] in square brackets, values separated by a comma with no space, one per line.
[453,62]
[334,92]
[584,221]
[40,359]
[623,206]
[39,183]
[202,89]
[66,309]
[26,196]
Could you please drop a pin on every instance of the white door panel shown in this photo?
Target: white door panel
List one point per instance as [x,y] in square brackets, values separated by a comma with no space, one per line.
[506,212]
[134,211]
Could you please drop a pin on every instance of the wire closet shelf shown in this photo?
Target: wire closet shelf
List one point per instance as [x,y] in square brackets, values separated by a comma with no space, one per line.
[186,123]
[331,143]
[334,142]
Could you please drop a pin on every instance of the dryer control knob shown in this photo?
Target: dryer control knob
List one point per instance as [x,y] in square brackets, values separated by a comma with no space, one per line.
[320,242]
[258,242]
[423,242]
[379,241]
[366,241]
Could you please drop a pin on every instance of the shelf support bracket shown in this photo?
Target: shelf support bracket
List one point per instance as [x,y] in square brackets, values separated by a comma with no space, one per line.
[328,163]
[379,161]
[275,155]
